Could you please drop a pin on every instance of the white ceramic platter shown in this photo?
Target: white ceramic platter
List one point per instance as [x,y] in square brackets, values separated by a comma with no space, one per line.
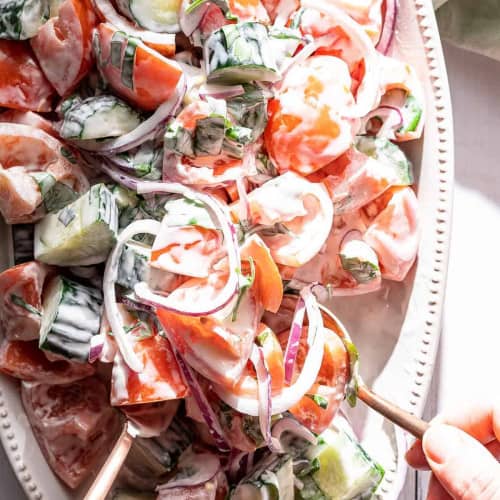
[396,329]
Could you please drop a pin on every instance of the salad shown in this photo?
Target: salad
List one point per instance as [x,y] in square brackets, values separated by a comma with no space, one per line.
[185,182]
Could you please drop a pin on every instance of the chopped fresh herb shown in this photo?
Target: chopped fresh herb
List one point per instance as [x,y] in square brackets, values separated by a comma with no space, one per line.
[15,299]
[319,400]
[262,337]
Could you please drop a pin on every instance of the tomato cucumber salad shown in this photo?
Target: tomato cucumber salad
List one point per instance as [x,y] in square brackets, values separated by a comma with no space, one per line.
[185,181]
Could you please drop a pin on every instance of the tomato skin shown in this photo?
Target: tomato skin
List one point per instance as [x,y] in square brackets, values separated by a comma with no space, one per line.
[160,379]
[22,283]
[63,45]
[154,76]
[22,83]
[24,360]
[73,424]
[28,118]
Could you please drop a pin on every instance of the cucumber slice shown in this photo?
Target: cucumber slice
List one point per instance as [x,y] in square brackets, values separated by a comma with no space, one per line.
[209,136]
[145,161]
[55,194]
[80,234]
[344,470]
[160,16]
[23,239]
[179,140]
[99,117]
[412,114]
[240,53]
[133,267]
[271,478]
[387,153]
[359,259]
[72,316]
[20,19]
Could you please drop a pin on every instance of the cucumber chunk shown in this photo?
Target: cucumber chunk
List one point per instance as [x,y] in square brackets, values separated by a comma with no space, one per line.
[271,478]
[155,15]
[55,194]
[20,19]
[80,234]
[359,259]
[99,117]
[240,53]
[342,470]
[145,161]
[133,265]
[390,155]
[72,316]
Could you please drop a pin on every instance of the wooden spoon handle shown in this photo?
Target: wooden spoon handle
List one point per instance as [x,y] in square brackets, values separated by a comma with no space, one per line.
[410,423]
[107,475]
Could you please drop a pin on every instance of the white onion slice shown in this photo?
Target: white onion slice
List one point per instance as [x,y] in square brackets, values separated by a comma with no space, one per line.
[368,91]
[145,131]
[221,91]
[145,294]
[108,284]
[107,11]
[292,346]
[264,393]
[389,26]
[290,395]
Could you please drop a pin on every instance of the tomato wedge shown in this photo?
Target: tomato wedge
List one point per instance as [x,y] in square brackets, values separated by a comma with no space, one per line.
[139,73]
[73,424]
[160,379]
[21,300]
[22,83]
[28,118]
[268,284]
[63,45]
[24,360]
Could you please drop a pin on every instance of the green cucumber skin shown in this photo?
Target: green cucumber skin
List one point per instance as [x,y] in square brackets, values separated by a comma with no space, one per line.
[11,18]
[76,321]
[55,195]
[133,266]
[240,53]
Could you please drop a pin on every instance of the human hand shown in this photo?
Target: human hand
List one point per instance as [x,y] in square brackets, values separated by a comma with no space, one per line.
[462,449]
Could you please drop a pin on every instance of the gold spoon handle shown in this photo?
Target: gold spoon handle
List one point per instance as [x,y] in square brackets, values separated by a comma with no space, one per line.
[107,475]
[410,423]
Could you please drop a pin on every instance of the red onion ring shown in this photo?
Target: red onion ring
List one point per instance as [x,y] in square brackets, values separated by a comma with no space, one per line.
[204,406]
[388,26]
[289,424]
[221,91]
[147,296]
[392,118]
[292,346]
[190,22]
[264,392]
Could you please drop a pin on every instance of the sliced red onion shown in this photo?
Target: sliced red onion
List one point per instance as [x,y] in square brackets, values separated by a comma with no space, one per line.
[204,465]
[391,117]
[291,395]
[292,346]
[204,406]
[388,26]
[264,393]
[289,424]
[368,91]
[190,21]
[128,181]
[236,462]
[107,11]
[147,296]
[221,91]
[145,131]
[96,347]
[110,272]
[131,302]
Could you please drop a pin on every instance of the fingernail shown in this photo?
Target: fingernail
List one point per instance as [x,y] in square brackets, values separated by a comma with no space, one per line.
[440,443]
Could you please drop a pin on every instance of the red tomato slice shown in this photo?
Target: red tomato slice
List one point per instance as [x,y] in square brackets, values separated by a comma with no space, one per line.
[212,20]
[159,381]
[21,300]
[330,383]
[268,284]
[249,10]
[73,424]
[24,360]
[25,149]
[28,118]
[153,78]
[394,233]
[22,83]
[63,45]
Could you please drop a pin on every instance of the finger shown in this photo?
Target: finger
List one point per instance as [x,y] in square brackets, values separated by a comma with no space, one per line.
[436,491]
[415,456]
[463,466]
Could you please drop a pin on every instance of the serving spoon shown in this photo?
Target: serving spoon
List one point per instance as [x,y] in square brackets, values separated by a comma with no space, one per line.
[402,418]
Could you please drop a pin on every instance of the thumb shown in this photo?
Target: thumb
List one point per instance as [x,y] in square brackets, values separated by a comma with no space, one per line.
[462,465]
